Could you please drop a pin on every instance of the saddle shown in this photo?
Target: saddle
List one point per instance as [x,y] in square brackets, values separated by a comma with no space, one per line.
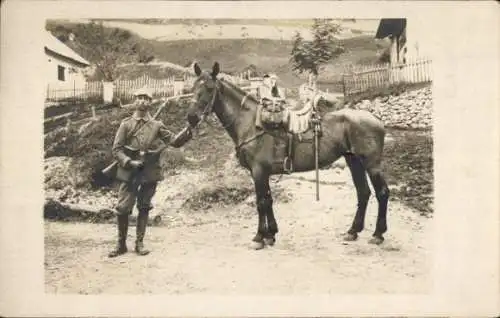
[277,114]
[296,120]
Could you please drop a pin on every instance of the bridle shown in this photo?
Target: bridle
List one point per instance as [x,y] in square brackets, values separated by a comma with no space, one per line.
[209,107]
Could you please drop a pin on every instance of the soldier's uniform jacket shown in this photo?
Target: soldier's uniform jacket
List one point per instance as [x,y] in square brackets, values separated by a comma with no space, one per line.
[129,142]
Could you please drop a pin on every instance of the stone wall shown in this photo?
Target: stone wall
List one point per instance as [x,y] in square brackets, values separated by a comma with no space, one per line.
[409,110]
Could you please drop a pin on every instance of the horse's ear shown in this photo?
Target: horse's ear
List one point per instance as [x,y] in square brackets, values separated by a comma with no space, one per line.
[215,69]
[197,69]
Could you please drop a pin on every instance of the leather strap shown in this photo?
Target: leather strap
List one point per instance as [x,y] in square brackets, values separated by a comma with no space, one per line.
[150,139]
[288,161]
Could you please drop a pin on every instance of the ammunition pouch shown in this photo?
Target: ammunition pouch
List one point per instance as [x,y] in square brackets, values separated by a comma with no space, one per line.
[126,174]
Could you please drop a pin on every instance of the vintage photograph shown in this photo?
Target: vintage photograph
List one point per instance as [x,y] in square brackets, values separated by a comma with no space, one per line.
[238,157]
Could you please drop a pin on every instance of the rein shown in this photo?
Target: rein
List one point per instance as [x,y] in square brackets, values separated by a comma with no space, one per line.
[209,109]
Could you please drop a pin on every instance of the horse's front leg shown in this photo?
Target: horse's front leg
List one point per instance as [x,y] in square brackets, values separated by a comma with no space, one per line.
[264,205]
[272,225]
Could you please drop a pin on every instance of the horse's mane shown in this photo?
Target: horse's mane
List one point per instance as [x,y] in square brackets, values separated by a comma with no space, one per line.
[239,90]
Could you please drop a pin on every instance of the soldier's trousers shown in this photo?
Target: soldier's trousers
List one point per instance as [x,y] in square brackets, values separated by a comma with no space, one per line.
[129,194]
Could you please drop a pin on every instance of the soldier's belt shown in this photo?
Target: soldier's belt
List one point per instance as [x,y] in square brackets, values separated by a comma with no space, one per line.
[137,154]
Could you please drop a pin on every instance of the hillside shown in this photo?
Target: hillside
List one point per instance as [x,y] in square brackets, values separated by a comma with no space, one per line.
[267,55]
[235,55]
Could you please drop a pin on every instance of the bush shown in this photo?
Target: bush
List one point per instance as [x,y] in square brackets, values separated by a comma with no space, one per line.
[385,57]
[217,195]
[89,146]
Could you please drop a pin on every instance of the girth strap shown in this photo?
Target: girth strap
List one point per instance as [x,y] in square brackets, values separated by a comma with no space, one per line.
[246,141]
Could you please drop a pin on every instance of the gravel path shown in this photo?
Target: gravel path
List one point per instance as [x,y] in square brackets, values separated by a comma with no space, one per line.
[209,252]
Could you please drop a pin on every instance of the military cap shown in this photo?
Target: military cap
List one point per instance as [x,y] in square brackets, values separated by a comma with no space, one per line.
[143,91]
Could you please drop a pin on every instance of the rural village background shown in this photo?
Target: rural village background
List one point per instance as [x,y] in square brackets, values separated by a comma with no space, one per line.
[204,212]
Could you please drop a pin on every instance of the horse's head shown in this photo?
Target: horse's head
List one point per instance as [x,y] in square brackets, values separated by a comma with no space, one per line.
[205,90]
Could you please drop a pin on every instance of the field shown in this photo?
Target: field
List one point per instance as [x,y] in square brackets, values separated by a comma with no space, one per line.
[235,55]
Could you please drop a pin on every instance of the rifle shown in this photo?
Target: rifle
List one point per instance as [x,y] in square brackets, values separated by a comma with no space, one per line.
[110,171]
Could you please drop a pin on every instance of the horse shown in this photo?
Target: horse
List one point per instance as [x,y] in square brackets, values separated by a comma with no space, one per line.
[356,135]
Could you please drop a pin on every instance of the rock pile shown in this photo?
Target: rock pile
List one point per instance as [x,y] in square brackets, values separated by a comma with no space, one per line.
[410,110]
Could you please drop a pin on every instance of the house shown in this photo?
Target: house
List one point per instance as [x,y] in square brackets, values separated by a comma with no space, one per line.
[408,40]
[408,48]
[395,31]
[65,68]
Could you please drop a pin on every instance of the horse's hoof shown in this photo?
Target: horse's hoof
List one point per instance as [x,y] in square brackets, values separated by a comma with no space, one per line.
[269,241]
[257,245]
[349,237]
[376,240]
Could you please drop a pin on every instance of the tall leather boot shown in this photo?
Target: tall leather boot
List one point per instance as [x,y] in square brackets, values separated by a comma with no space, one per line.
[121,247]
[142,223]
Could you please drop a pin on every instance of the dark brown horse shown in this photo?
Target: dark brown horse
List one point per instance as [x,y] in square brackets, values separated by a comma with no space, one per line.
[356,135]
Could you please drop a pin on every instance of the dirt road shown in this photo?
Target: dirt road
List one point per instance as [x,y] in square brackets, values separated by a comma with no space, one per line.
[209,251]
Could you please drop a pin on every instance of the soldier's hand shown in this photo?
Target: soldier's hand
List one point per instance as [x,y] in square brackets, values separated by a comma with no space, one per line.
[136,164]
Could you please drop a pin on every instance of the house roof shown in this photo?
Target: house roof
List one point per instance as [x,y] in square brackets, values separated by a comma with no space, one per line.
[389,27]
[53,44]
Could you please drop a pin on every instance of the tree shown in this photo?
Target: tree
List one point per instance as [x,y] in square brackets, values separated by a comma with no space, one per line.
[311,56]
[107,48]
[385,56]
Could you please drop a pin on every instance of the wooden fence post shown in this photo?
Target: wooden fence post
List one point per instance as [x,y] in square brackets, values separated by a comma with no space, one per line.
[344,87]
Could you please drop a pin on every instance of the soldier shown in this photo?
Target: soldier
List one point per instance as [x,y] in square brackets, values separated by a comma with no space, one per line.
[138,144]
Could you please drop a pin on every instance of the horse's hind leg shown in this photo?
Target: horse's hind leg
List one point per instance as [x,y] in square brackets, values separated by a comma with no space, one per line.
[382,193]
[358,173]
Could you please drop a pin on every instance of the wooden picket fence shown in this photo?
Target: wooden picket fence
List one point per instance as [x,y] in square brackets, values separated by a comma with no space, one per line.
[91,92]
[160,88]
[365,77]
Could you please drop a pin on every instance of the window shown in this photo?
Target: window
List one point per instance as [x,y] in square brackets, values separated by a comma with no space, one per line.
[60,73]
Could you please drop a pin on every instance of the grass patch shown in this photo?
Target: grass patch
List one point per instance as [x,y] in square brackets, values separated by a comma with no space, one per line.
[134,71]
[217,196]
[89,145]
[394,90]
[408,164]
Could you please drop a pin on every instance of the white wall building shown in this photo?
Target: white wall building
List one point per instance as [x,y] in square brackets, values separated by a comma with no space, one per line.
[408,39]
[64,67]
[409,48]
